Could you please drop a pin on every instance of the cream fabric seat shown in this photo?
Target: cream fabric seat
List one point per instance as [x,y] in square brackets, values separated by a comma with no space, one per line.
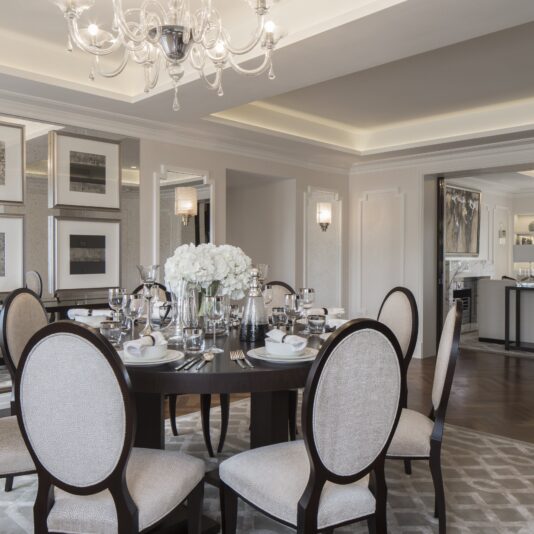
[412,437]
[152,480]
[274,478]
[14,456]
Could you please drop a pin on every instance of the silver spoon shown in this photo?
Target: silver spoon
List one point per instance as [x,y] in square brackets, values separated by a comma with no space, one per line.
[208,357]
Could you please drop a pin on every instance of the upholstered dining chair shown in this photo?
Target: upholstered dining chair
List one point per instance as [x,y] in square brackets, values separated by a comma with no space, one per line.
[76,412]
[34,282]
[399,312]
[22,316]
[335,476]
[419,437]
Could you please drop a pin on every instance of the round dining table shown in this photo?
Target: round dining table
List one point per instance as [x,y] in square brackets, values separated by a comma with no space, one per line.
[269,385]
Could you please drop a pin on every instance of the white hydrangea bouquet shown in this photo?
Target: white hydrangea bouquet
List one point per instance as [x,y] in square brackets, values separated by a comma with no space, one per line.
[223,270]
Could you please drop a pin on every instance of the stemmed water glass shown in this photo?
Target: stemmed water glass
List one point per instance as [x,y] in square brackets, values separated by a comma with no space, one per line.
[133,307]
[307,298]
[115,298]
[263,271]
[268,295]
[148,278]
[292,307]
[215,312]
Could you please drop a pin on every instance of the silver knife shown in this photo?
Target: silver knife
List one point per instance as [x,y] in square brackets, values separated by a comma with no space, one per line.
[190,364]
[248,362]
[201,364]
[241,364]
[183,364]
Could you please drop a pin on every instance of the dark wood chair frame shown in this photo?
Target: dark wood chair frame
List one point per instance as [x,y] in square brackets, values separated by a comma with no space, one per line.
[438,416]
[411,346]
[40,281]
[308,505]
[115,482]
[205,403]
[10,364]
[294,394]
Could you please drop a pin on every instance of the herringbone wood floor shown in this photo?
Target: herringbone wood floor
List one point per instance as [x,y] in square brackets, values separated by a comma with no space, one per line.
[491,393]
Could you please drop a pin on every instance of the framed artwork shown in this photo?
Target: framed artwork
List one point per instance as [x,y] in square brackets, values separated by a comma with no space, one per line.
[85,252]
[11,162]
[462,222]
[84,172]
[11,252]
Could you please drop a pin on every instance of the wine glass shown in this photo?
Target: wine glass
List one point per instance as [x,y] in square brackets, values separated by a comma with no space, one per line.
[292,307]
[268,295]
[263,271]
[115,298]
[136,307]
[148,275]
[307,297]
[215,312]
[279,317]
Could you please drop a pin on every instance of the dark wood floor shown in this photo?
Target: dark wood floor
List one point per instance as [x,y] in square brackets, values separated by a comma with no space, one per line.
[491,393]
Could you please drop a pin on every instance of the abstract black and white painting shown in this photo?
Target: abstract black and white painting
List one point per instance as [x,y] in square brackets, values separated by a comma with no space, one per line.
[11,162]
[86,253]
[11,252]
[85,172]
[462,222]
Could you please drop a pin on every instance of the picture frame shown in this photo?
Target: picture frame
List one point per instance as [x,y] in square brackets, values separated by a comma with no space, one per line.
[12,162]
[85,253]
[84,172]
[462,221]
[11,252]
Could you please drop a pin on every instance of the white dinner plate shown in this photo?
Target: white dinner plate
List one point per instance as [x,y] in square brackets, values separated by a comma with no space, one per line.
[261,353]
[171,356]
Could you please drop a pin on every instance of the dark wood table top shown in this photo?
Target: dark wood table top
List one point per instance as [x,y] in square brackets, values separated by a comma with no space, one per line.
[223,375]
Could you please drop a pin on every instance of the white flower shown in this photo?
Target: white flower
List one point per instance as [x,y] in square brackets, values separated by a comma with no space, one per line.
[204,264]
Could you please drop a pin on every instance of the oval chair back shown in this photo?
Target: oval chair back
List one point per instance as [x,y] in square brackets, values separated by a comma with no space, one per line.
[34,283]
[279,291]
[22,316]
[75,412]
[351,408]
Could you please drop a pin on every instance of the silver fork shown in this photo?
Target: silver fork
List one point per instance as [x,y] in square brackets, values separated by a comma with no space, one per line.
[241,356]
[234,356]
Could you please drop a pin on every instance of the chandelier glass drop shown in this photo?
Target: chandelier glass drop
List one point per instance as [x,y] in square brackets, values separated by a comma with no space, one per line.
[168,34]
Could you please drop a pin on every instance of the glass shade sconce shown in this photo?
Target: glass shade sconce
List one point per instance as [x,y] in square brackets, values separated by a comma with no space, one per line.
[324,215]
[185,203]
[501,235]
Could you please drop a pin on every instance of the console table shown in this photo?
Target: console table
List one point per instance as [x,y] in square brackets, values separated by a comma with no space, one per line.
[517,344]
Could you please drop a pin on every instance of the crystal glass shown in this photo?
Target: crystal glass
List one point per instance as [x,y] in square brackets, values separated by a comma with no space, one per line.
[316,324]
[112,331]
[279,316]
[190,308]
[128,313]
[136,305]
[292,307]
[215,312]
[148,275]
[263,272]
[173,331]
[307,298]
[193,340]
[115,299]
[267,295]
[235,314]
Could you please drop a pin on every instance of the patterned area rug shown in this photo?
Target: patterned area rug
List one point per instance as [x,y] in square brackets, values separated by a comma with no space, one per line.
[489,484]
[470,341]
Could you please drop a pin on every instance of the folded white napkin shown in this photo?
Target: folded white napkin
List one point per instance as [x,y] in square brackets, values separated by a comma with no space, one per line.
[297,343]
[84,312]
[333,322]
[135,348]
[334,312]
[93,322]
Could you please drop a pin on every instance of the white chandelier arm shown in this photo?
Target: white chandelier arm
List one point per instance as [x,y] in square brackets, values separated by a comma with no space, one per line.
[124,25]
[253,42]
[74,32]
[265,65]
[150,83]
[200,23]
[198,57]
[118,70]
[216,83]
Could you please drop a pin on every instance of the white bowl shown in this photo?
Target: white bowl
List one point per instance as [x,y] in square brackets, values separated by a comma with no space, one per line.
[155,352]
[281,349]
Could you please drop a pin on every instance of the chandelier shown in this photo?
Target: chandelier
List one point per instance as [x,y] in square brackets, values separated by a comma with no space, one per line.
[168,34]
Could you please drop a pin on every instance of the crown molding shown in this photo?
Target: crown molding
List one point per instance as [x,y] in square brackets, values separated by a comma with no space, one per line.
[204,136]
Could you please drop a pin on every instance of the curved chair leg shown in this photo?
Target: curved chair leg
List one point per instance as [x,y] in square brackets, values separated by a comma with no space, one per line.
[9,483]
[293,402]
[408,467]
[225,416]
[194,509]
[440,509]
[172,413]
[205,407]
[228,509]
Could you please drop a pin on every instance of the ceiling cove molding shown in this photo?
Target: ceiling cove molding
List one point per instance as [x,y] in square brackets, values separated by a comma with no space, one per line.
[522,148]
[41,109]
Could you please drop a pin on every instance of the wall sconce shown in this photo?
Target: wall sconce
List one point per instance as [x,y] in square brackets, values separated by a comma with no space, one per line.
[502,235]
[185,203]
[324,215]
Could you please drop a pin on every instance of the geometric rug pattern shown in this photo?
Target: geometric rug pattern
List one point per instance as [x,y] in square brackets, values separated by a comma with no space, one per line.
[489,483]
